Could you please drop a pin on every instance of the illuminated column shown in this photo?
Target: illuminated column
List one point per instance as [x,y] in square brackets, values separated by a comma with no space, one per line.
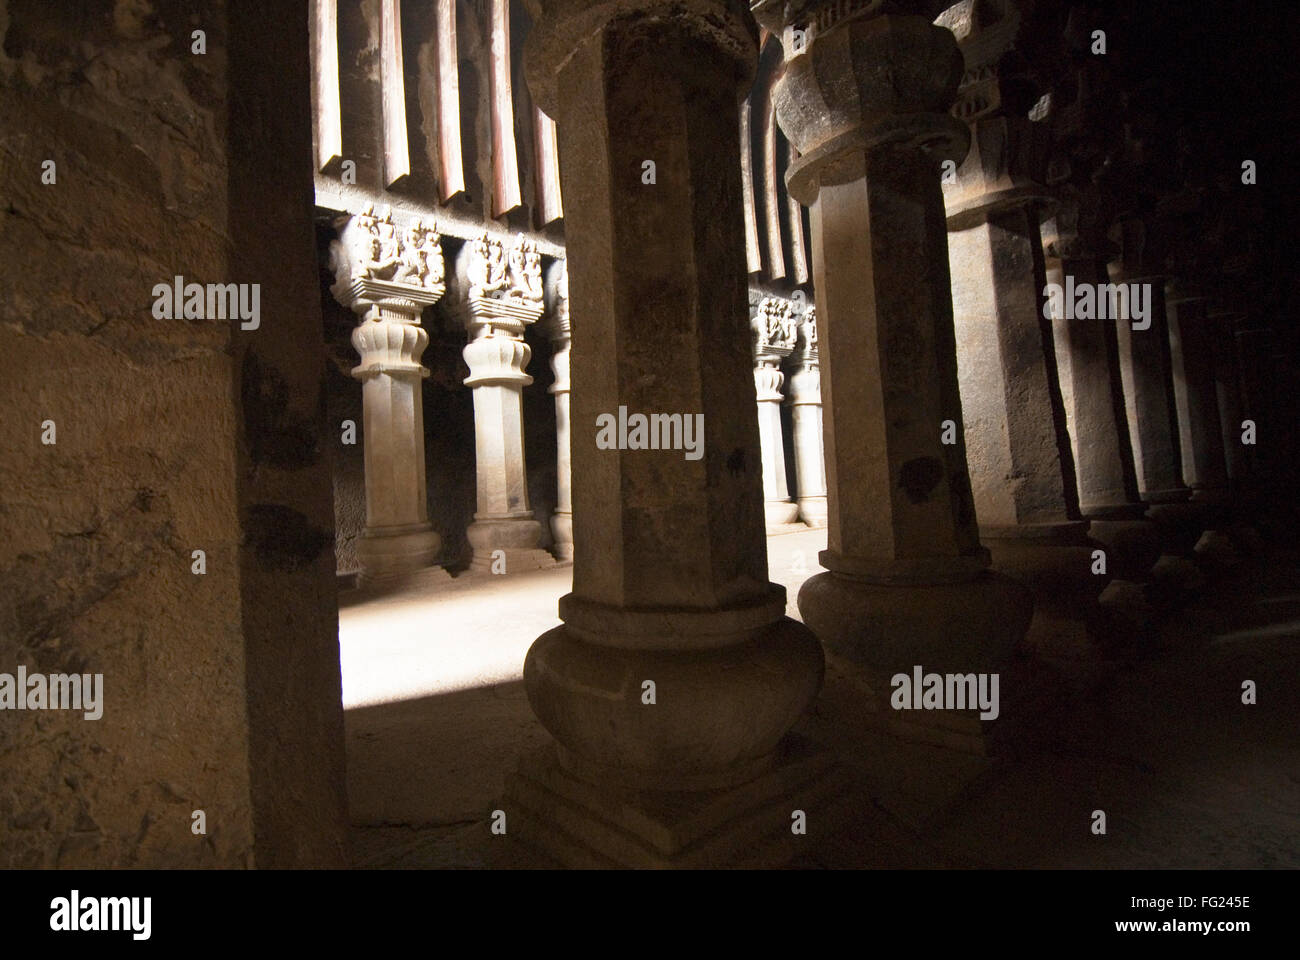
[1192,359]
[1146,375]
[502,295]
[562,520]
[389,275]
[908,581]
[1017,445]
[805,385]
[675,675]
[774,338]
[1107,476]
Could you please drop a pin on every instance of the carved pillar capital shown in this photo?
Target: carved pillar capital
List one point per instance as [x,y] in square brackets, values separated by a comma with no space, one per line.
[805,380]
[561,27]
[384,271]
[388,274]
[558,329]
[859,77]
[499,286]
[775,334]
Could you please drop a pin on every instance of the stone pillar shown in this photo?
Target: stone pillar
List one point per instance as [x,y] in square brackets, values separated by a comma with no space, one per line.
[1223,325]
[1191,350]
[806,420]
[675,675]
[1146,370]
[562,519]
[1191,353]
[1146,374]
[389,275]
[775,334]
[502,295]
[1097,417]
[1017,445]
[908,582]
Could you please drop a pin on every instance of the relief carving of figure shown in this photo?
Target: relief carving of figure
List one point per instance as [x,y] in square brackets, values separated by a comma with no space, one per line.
[487,267]
[380,256]
[810,327]
[430,247]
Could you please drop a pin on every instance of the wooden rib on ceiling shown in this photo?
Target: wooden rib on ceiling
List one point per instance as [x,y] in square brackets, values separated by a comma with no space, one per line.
[325,79]
[550,204]
[771,201]
[451,169]
[397,158]
[752,256]
[506,195]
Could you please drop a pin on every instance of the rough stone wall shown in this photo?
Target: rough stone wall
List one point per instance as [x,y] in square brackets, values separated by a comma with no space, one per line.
[221,691]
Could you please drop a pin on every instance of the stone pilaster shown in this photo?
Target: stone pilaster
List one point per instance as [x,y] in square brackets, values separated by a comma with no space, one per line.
[388,275]
[502,294]
[864,100]
[675,676]
[805,389]
[775,332]
[558,330]
[1017,445]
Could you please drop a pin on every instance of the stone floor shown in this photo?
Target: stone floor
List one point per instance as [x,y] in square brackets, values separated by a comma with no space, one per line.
[1186,774]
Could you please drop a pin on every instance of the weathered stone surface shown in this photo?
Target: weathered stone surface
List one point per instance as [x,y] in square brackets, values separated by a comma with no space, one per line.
[221,691]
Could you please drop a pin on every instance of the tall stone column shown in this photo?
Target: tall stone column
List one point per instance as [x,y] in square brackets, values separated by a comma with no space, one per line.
[675,675]
[1017,444]
[1223,323]
[908,582]
[775,334]
[805,386]
[388,276]
[562,519]
[1146,375]
[502,290]
[1146,369]
[1192,349]
[1097,417]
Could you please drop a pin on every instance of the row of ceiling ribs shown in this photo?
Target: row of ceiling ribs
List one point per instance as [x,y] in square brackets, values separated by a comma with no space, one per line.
[377,38]
[452,37]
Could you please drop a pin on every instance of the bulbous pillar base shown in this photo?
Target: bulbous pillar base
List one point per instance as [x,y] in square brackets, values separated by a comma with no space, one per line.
[1132,547]
[562,531]
[717,716]
[1055,562]
[780,515]
[509,540]
[388,554]
[974,625]
[970,627]
[1180,524]
[813,511]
